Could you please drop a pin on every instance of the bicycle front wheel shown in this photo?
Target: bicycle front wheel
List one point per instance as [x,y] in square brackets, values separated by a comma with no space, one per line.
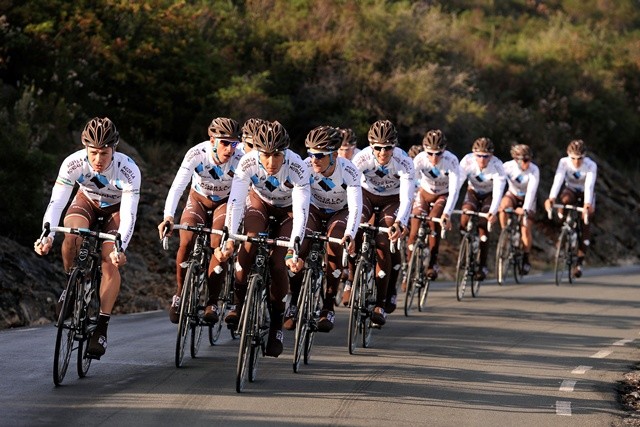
[200,297]
[368,297]
[474,262]
[517,260]
[563,259]
[223,303]
[186,307]
[503,252]
[462,268]
[302,319]
[355,305]
[67,328]
[248,332]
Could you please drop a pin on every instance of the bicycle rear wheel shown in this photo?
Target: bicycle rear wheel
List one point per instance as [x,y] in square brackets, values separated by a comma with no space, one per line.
[302,320]
[186,308]
[356,303]
[67,328]
[462,268]
[248,332]
[89,323]
[503,253]
[368,297]
[562,260]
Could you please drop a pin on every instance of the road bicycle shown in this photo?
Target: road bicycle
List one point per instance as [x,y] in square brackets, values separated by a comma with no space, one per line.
[80,308]
[510,251]
[416,277]
[311,296]
[363,289]
[568,240]
[469,254]
[255,319]
[195,293]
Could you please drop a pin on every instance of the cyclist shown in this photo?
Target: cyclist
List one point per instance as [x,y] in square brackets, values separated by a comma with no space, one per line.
[277,182]
[336,198]
[388,183]
[209,166]
[248,130]
[522,178]
[348,147]
[109,187]
[578,173]
[485,183]
[437,170]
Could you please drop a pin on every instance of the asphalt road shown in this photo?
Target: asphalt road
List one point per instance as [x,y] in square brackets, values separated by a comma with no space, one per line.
[528,355]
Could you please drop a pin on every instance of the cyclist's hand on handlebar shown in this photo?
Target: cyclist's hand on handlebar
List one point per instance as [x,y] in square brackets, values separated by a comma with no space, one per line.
[548,204]
[223,253]
[352,244]
[42,247]
[446,222]
[294,264]
[118,258]
[519,211]
[162,227]
[395,231]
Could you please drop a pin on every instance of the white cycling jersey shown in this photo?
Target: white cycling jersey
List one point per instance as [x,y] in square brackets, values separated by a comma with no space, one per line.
[119,183]
[396,177]
[581,179]
[208,178]
[440,178]
[340,190]
[288,188]
[488,180]
[523,183]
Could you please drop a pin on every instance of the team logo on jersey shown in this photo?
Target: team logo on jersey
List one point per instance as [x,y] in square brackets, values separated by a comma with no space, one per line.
[199,168]
[576,175]
[382,171]
[288,183]
[100,181]
[434,172]
[272,183]
[326,184]
[480,177]
[519,179]
[216,172]
[254,179]
[215,198]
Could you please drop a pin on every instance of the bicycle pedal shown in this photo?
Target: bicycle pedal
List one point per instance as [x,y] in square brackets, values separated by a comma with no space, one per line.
[376,326]
[92,356]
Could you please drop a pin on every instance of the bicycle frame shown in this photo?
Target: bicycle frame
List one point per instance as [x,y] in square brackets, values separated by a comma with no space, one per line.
[509,252]
[81,306]
[469,254]
[363,289]
[568,240]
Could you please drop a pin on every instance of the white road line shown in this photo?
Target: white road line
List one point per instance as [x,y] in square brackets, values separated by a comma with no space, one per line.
[622,342]
[563,408]
[581,369]
[568,385]
[601,354]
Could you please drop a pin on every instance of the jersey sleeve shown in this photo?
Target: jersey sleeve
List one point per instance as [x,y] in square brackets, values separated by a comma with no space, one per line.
[129,202]
[300,199]
[590,183]
[407,190]
[558,178]
[532,188]
[238,194]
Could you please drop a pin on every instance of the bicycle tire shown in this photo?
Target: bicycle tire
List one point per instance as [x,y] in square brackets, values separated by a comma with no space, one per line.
[355,308]
[503,254]
[302,319]
[66,329]
[561,260]
[424,292]
[224,300]
[462,269]
[89,323]
[200,297]
[247,333]
[261,328]
[183,316]
[413,279]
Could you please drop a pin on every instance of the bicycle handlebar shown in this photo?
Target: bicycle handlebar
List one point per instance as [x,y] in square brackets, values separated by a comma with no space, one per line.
[442,222]
[381,230]
[84,232]
[473,213]
[345,252]
[579,209]
[525,215]
[186,227]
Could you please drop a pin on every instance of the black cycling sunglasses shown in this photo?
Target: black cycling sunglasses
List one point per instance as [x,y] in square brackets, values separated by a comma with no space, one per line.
[318,156]
[383,147]
[228,142]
